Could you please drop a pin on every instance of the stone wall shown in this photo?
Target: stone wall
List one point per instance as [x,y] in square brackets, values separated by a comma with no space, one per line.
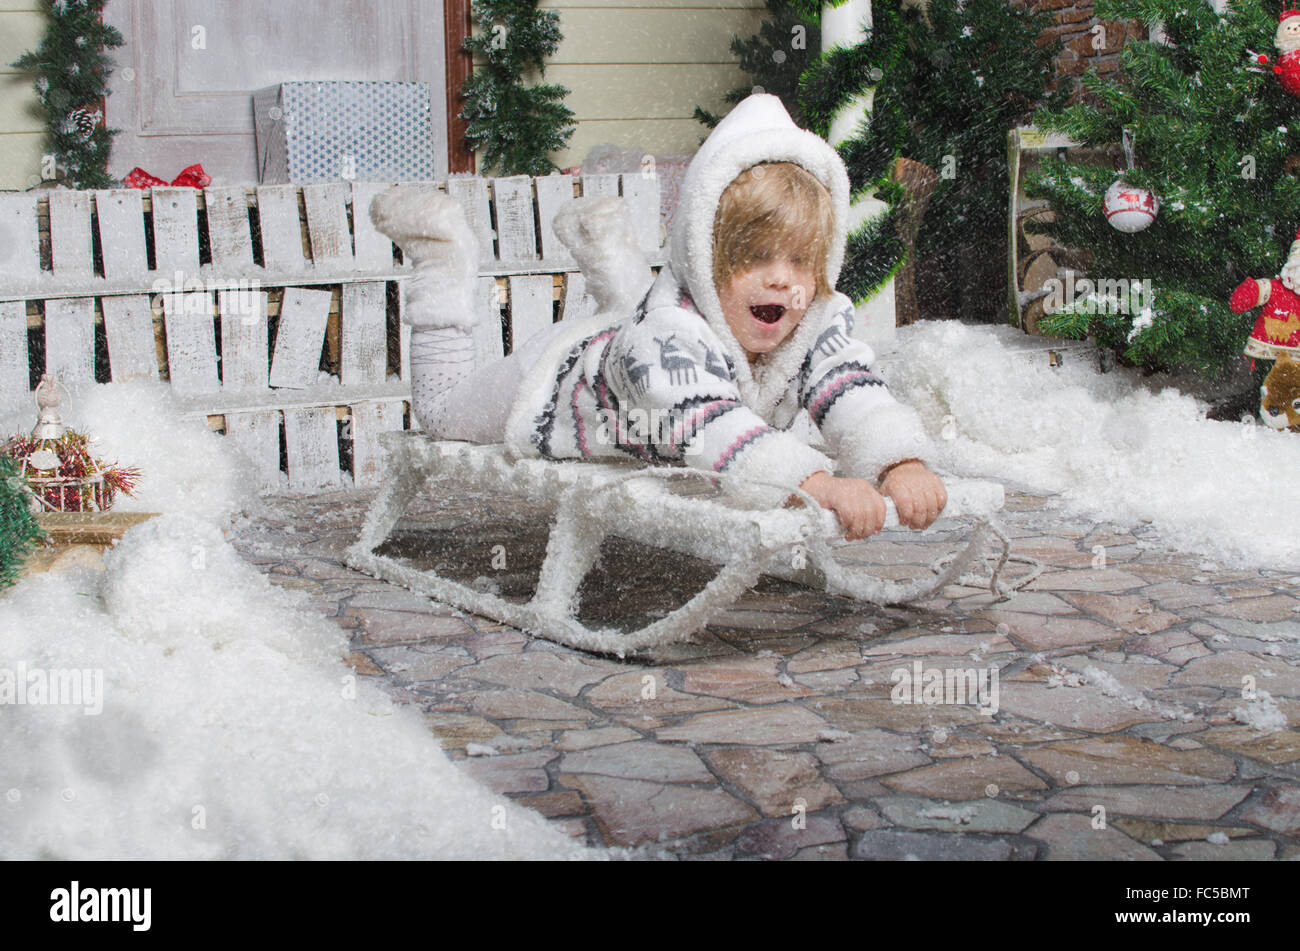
[1085,46]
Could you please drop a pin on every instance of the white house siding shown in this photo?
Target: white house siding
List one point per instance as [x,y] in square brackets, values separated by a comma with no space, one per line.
[22,129]
[636,69]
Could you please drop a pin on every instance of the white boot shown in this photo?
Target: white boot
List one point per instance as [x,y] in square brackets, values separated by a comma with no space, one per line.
[432,232]
[598,233]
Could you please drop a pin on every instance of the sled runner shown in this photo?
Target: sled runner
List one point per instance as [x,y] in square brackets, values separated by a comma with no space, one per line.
[639,503]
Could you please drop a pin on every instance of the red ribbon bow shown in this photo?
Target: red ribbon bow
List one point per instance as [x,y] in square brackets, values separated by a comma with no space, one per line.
[192,177]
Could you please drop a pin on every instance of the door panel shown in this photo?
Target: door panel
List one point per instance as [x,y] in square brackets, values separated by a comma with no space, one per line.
[181,90]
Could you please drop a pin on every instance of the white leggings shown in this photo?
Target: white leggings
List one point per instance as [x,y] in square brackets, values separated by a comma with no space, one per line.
[476,408]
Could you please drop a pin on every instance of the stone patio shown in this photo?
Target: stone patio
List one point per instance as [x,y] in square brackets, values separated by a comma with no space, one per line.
[1139,707]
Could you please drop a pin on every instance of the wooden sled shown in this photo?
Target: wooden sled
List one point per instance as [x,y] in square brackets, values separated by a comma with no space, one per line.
[596,500]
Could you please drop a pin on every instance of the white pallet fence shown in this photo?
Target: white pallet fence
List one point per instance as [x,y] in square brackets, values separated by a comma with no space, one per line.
[76,265]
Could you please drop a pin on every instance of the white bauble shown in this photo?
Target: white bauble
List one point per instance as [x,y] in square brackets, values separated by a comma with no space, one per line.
[1130,209]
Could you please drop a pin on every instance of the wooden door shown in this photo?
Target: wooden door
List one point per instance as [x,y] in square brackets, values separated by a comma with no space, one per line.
[181,90]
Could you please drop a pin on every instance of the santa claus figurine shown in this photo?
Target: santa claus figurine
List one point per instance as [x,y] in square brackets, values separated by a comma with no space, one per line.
[1287,41]
[1277,331]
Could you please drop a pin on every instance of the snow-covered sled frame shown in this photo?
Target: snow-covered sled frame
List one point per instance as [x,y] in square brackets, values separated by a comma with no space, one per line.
[597,500]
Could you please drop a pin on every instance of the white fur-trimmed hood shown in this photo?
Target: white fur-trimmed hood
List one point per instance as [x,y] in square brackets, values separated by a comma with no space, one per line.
[755,131]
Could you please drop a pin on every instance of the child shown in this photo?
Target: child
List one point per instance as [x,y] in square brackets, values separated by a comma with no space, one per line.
[739,332]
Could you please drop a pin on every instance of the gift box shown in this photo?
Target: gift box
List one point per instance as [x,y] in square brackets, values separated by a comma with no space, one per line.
[339,131]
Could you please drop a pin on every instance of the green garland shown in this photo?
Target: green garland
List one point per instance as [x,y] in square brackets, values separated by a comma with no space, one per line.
[514,127]
[875,252]
[73,78]
[18,529]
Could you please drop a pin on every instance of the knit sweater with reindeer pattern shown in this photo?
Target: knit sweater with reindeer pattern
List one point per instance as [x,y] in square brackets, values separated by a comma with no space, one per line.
[670,384]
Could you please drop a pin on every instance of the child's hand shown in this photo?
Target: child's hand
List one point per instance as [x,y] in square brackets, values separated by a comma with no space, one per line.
[860,508]
[918,494]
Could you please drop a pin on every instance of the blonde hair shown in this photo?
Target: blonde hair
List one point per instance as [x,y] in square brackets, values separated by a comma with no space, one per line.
[772,207]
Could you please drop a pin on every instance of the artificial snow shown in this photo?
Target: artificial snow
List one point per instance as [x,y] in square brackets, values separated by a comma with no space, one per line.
[230,727]
[1261,713]
[1109,447]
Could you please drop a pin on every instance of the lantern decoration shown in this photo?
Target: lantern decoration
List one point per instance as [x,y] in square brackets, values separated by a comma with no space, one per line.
[57,464]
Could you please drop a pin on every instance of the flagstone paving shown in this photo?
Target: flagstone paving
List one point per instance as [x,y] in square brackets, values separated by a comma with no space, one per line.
[1146,702]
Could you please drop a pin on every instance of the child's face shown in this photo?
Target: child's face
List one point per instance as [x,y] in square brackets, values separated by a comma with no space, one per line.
[764,304]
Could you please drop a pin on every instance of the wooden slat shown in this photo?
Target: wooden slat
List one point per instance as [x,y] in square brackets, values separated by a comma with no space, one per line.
[14,377]
[20,249]
[128,327]
[176,232]
[576,302]
[243,340]
[228,232]
[553,192]
[516,234]
[121,234]
[70,340]
[70,242]
[365,344]
[489,344]
[599,185]
[89,528]
[257,436]
[191,343]
[311,448]
[530,306]
[642,196]
[368,420]
[277,216]
[404,342]
[374,250]
[327,225]
[300,337]
[471,192]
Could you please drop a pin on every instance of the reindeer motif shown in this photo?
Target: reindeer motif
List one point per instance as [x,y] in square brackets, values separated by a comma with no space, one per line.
[680,367]
[638,374]
[832,339]
[713,365]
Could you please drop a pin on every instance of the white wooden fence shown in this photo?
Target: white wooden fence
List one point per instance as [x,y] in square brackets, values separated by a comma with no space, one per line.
[274,312]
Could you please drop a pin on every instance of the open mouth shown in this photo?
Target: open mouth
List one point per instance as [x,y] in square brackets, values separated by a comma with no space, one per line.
[768,313]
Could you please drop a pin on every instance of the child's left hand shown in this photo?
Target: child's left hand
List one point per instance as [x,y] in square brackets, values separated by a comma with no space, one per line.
[918,494]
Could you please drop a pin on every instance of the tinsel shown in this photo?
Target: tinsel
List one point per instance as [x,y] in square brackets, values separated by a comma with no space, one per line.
[80,484]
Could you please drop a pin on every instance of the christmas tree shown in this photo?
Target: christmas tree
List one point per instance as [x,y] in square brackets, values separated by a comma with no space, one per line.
[18,528]
[775,57]
[1211,136]
[833,96]
[72,82]
[974,71]
[512,126]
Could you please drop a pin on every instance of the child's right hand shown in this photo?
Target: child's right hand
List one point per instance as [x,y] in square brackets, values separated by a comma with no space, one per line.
[860,508]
